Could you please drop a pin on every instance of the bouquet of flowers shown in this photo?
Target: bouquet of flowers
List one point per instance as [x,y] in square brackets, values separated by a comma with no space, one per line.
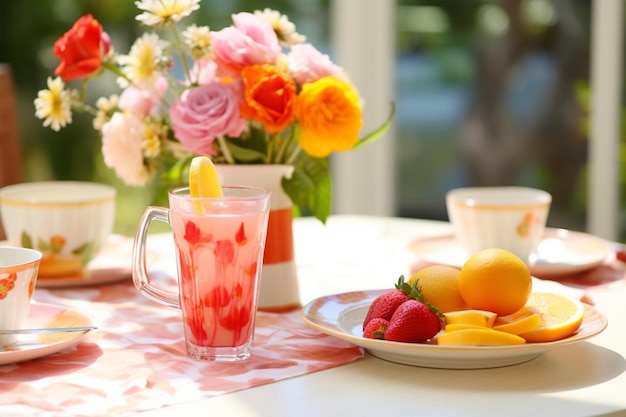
[251,93]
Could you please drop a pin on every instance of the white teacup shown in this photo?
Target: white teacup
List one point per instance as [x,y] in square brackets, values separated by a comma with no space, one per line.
[18,276]
[68,221]
[511,218]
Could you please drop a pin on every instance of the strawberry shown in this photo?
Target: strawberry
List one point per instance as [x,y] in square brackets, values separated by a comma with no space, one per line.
[385,304]
[376,328]
[413,322]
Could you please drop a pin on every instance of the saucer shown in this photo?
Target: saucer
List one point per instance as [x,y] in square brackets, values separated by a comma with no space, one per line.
[111,265]
[560,252]
[341,315]
[42,315]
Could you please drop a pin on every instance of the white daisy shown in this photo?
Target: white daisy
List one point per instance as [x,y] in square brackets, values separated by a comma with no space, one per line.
[105,109]
[145,60]
[153,132]
[164,12]
[283,27]
[54,105]
[198,40]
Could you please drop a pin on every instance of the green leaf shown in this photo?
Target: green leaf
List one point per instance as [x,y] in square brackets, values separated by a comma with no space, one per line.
[375,134]
[26,240]
[86,251]
[245,154]
[310,186]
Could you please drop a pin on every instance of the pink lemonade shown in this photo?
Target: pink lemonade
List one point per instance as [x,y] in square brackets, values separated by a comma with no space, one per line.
[219,251]
[219,255]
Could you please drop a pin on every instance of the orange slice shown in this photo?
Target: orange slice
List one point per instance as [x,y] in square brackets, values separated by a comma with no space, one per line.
[560,316]
[479,337]
[477,317]
[203,181]
[520,325]
[462,326]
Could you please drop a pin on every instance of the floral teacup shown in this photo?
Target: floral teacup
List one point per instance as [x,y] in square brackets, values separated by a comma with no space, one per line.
[68,221]
[511,218]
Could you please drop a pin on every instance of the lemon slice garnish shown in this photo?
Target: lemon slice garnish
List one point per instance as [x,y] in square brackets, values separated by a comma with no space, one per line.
[203,181]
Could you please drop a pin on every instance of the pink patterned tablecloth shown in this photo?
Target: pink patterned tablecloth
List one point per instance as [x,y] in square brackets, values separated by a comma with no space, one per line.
[136,358]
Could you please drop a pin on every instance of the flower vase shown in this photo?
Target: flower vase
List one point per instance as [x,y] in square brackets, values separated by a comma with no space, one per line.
[279,290]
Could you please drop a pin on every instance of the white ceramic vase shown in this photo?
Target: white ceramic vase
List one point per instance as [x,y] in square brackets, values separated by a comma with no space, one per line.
[279,281]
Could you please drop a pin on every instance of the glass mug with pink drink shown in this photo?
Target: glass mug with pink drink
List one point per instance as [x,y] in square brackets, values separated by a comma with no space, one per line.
[219,251]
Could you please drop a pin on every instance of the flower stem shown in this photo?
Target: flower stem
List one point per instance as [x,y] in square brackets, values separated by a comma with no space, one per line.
[225,151]
[296,146]
[183,57]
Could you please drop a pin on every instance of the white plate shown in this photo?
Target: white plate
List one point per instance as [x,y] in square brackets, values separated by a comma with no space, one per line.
[29,347]
[561,251]
[341,315]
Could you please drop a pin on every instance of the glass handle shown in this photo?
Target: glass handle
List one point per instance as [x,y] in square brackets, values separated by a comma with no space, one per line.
[141,278]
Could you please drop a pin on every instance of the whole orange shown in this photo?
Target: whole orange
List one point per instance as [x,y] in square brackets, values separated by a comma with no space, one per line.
[495,280]
[439,285]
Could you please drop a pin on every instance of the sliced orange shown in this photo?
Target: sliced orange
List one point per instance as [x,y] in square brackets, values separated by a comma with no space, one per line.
[462,326]
[479,337]
[560,316]
[478,317]
[520,325]
[203,181]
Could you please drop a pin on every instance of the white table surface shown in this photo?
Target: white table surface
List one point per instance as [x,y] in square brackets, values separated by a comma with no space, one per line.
[364,252]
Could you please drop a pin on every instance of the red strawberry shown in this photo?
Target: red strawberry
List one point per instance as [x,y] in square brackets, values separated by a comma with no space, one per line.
[413,322]
[385,304]
[376,328]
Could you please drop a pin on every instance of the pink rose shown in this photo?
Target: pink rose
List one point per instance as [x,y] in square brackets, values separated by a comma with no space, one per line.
[203,113]
[307,64]
[143,102]
[250,41]
[122,138]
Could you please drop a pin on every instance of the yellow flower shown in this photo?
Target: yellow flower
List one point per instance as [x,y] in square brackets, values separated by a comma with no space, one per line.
[54,105]
[164,12]
[146,59]
[283,27]
[198,40]
[330,117]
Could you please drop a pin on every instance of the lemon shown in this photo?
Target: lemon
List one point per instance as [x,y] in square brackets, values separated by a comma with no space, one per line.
[439,285]
[203,181]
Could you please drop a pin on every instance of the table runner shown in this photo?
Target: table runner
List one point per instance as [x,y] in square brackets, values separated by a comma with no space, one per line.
[130,364]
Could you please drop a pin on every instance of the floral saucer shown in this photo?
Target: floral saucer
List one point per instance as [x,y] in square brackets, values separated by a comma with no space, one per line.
[43,315]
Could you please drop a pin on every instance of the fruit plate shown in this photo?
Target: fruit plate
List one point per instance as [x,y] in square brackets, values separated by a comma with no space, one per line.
[341,315]
[560,251]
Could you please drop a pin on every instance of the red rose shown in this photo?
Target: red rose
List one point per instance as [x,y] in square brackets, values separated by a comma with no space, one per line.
[81,49]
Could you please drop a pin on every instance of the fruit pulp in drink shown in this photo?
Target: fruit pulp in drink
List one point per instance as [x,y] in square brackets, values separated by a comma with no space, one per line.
[219,256]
